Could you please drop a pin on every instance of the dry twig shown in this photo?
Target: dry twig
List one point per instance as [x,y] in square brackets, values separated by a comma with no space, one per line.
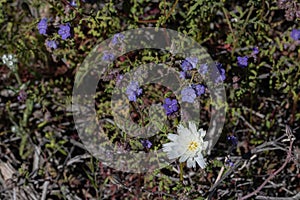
[288,158]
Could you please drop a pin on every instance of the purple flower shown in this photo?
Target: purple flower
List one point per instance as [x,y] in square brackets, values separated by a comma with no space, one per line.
[73,3]
[188,94]
[295,34]
[170,106]
[108,56]
[203,69]
[189,63]
[117,38]
[51,44]
[146,143]
[185,65]
[133,90]
[255,50]
[42,26]
[64,31]
[222,76]
[233,140]
[242,61]
[193,61]
[199,88]
[22,96]
[229,163]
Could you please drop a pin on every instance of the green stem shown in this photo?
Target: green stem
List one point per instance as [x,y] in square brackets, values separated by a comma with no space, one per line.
[17,77]
[181,172]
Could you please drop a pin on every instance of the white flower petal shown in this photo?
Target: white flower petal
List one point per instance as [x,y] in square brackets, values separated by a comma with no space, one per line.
[191,163]
[193,127]
[202,132]
[174,154]
[200,161]
[167,147]
[170,144]
[172,137]
[183,158]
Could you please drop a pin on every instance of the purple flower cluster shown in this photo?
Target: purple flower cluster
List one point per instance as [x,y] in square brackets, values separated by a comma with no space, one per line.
[133,91]
[64,31]
[190,93]
[170,106]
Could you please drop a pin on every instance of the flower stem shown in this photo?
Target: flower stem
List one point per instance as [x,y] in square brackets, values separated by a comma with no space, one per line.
[18,78]
[181,171]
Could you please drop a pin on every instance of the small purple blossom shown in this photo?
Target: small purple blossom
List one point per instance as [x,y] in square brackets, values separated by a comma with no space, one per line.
[229,163]
[117,38]
[255,51]
[146,143]
[188,94]
[189,63]
[203,69]
[170,106]
[51,44]
[193,61]
[22,96]
[185,65]
[295,34]
[108,56]
[133,90]
[199,88]
[73,3]
[233,140]
[64,31]
[242,61]
[42,26]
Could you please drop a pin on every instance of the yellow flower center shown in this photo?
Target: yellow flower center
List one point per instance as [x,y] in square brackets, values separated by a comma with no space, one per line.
[193,146]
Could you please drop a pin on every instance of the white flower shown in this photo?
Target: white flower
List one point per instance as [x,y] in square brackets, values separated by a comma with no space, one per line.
[9,60]
[188,145]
